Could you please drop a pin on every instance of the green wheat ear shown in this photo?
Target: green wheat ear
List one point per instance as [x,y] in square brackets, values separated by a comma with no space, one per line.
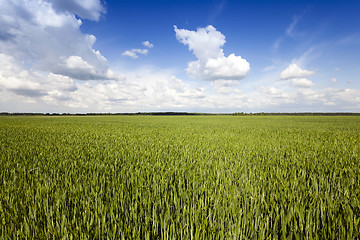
[183,177]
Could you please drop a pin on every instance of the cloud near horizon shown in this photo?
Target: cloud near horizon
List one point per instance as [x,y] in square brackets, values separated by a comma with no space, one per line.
[212,64]
[297,76]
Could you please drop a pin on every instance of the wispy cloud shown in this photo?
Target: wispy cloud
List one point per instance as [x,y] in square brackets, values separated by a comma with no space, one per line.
[268,68]
[353,39]
[276,44]
[217,9]
[133,53]
[312,53]
[290,31]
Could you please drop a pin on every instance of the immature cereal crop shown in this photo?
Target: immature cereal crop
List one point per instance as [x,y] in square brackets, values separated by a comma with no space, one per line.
[180,177]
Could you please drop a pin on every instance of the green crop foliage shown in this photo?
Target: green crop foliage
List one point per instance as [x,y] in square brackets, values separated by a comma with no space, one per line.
[180,177]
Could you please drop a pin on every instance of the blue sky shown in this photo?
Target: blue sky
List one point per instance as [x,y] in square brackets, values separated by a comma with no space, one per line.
[195,56]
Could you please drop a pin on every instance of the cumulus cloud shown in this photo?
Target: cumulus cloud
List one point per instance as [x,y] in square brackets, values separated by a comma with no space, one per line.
[78,68]
[272,91]
[302,82]
[16,78]
[43,54]
[307,99]
[76,62]
[46,35]
[133,53]
[148,44]
[145,90]
[23,89]
[212,64]
[272,96]
[297,76]
[294,71]
[154,90]
[346,98]
[225,86]
[89,9]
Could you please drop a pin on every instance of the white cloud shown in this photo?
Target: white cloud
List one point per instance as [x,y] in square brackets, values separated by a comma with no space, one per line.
[89,9]
[43,53]
[307,99]
[272,91]
[76,62]
[16,78]
[148,44]
[144,90]
[231,67]
[156,90]
[44,35]
[302,82]
[294,71]
[212,64]
[225,86]
[345,99]
[133,52]
[333,80]
[140,51]
[272,96]
[297,76]
[78,68]
[130,54]
[205,42]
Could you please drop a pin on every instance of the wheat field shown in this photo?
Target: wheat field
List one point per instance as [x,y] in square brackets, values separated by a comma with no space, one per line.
[180,177]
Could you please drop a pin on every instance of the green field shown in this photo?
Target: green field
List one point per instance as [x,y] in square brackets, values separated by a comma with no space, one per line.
[180,177]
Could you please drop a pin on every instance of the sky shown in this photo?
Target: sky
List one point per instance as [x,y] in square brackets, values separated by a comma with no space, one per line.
[215,56]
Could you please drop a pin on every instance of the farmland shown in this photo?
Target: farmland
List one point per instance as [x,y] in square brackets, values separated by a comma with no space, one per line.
[180,177]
